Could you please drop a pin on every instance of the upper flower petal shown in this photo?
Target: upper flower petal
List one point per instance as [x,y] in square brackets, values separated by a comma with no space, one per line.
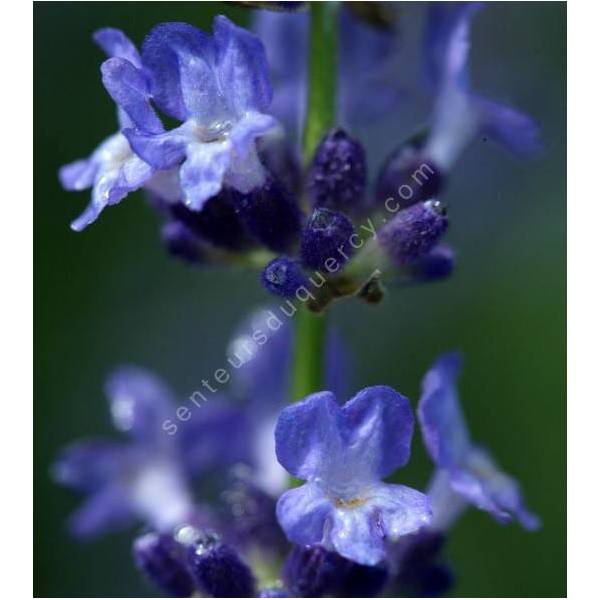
[162,151]
[243,68]
[204,98]
[129,88]
[160,53]
[303,513]
[446,45]
[307,437]
[139,403]
[115,43]
[378,424]
[442,423]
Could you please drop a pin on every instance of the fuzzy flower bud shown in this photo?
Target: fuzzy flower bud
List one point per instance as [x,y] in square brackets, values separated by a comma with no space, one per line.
[413,232]
[162,560]
[325,240]
[283,276]
[338,173]
[218,570]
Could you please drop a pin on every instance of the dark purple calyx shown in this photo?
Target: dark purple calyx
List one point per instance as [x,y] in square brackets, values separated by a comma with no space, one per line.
[435,265]
[181,242]
[338,173]
[408,176]
[423,573]
[413,232]
[162,560]
[283,276]
[217,223]
[325,243]
[271,215]
[313,571]
[218,570]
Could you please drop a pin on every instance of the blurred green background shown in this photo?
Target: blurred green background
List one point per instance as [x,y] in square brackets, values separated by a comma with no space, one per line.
[111,295]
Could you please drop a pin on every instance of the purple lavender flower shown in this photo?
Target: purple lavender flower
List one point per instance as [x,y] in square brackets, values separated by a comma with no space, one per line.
[148,476]
[219,87]
[261,353]
[113,170]
[459,114]
[466,474]
[343,453]
[141,479]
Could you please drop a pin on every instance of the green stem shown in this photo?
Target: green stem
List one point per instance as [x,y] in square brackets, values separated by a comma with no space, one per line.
[322,74]
[309,352]
[309,355]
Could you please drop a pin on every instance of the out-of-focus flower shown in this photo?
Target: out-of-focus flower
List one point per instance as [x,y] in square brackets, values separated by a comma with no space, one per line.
[459,114]
[219,87]
[147,477]
[343,453]
[363,91]
[465,474]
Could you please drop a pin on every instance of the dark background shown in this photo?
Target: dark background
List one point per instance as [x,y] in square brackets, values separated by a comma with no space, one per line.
[110,295]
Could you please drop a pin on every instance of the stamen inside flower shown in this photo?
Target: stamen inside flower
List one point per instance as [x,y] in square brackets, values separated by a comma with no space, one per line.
[352,503]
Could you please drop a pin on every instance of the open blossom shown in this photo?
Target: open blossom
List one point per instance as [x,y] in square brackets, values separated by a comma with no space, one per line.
[466,474]
[219,87]
[113,170]
[460,114]
[146,477]
[343,453]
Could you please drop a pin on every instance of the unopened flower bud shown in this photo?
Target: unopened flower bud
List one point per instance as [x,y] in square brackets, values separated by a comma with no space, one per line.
[283,276]
[218,570]
[413,232]
[163,561]
[338,172]
[325,240]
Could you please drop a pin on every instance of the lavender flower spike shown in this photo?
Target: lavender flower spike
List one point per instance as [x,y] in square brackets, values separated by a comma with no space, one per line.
[343,453]
[466,474]
[113,170]
[219,87]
